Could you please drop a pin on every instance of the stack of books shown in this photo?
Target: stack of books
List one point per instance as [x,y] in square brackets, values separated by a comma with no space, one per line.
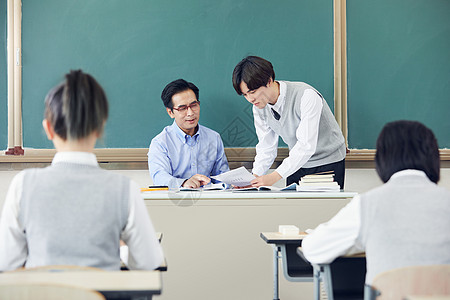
[320,182]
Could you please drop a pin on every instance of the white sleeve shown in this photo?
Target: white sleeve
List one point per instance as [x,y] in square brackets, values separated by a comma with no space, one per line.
[14,250]
[145,252]
[266,149]
[307,134]
[336,237]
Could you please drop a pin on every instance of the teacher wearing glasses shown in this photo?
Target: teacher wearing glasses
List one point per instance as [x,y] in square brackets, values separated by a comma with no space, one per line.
[185,154]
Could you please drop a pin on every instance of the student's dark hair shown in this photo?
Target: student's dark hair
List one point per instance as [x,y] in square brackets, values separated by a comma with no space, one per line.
[404,145]
[77,107]
[175,87]
[254,71]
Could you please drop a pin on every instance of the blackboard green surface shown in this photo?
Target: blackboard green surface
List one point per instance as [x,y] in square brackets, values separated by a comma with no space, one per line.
[3,79]
[398,67]
[134,48]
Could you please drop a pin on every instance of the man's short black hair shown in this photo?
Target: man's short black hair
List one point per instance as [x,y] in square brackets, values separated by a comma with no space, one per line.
[254,71]
[404,145]
[175,87]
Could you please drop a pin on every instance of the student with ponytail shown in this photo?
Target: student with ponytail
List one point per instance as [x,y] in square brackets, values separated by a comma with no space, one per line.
[73,212]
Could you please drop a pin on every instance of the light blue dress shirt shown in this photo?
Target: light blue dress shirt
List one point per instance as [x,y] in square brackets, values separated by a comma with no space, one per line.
[174,156]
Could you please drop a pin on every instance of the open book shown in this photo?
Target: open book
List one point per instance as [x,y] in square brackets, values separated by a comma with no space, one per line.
[291,187]
[208,187]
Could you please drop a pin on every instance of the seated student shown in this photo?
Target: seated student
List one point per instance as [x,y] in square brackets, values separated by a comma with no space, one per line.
[402,223]
[186,153]
[73,212]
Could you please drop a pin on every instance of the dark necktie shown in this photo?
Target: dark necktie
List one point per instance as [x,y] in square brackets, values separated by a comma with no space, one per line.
[275,114]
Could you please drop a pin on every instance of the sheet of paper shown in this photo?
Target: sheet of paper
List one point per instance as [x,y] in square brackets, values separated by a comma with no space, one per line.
[237,177]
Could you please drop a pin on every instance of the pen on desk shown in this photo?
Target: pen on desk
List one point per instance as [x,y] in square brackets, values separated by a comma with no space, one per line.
[155,188]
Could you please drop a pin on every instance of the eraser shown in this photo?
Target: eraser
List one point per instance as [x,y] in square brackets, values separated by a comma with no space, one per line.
[288,230]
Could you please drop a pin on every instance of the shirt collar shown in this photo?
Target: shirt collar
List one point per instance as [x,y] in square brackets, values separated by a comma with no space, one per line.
[183,136]
[278,106]
[408,172]
[85,158]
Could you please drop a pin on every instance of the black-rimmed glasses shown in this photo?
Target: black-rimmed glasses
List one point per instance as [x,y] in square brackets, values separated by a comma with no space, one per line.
[183,108]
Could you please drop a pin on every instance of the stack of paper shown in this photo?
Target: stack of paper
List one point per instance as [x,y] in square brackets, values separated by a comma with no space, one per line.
[318,182]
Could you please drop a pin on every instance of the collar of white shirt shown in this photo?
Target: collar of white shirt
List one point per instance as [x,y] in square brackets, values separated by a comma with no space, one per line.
[85,158]
[278,106]
[408,173]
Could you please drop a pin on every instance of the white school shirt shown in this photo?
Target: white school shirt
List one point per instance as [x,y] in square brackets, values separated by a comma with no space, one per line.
[338,236]
[139,229]
[307,132]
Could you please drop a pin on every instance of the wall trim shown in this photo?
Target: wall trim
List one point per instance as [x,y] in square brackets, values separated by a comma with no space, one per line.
[234,155]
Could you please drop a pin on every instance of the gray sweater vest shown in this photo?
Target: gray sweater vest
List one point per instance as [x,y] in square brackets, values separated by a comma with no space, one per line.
[330,145]
[405,222]
[74,214]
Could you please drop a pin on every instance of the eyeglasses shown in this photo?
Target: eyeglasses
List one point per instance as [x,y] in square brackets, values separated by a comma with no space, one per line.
[195,106]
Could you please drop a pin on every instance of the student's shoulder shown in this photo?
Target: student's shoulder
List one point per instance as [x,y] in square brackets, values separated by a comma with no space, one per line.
[114,178]
[33,171]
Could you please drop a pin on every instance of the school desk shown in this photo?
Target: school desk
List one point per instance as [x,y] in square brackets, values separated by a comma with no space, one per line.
[215,235]
[112,284]
[294,267]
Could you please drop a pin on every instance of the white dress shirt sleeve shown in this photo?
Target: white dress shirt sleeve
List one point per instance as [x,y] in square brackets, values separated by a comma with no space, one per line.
[14,250]
[144,249]
[266,149]
[307,134]
[336,237]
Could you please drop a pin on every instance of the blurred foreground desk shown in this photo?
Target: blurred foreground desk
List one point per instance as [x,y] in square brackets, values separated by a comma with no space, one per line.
[211,239]
[112,284]
[295,268]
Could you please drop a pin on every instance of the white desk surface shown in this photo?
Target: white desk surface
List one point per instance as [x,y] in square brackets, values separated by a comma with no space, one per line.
[105,281]
[228,194]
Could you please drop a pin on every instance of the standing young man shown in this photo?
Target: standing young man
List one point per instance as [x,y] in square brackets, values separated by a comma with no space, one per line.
[186,153]
[297,113]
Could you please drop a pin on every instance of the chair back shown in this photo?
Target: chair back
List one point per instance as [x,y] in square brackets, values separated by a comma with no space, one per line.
[47,292]
[296,267]
[396,284]
[348,274]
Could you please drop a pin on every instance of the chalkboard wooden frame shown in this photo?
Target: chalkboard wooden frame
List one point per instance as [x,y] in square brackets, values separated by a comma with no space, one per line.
[340,102]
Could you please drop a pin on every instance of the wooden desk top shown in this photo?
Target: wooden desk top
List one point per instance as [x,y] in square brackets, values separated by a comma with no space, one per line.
[278,238]
[102,281]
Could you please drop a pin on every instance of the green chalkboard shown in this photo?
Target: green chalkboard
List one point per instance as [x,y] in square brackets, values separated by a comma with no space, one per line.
[135,47]
[398,67]
[3,79]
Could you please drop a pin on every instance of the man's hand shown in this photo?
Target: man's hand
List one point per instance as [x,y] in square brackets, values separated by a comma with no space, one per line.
[243,187]
[267,180]
[196,181]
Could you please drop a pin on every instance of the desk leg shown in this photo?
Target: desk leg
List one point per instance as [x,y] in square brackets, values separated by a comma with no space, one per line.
[276,256]
[316,284]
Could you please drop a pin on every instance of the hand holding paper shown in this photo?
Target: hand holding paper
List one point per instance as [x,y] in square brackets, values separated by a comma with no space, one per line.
[236,177]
